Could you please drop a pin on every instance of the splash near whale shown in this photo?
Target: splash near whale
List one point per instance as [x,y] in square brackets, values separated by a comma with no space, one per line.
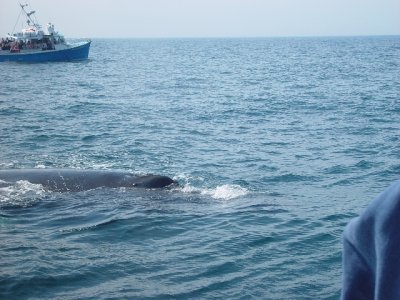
[73,180]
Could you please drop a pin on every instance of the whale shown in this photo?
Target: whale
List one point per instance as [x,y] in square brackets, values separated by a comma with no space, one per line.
[73,180]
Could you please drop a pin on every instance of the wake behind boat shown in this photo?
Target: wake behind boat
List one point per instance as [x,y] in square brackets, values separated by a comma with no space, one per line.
[33,44]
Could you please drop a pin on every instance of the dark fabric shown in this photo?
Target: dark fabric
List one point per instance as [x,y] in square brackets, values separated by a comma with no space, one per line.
[371,250]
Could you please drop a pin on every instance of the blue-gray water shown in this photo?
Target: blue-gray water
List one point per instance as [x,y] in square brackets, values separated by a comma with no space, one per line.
[276,143]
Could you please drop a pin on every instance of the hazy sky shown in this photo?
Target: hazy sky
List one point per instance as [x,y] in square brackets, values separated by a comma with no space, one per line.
[209,18]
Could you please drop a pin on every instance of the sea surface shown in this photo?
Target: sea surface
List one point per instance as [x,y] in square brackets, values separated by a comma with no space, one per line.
[277,143]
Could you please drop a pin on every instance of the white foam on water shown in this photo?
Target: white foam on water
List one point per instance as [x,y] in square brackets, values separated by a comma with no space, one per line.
[40,166]
[190,189]
[20,193]
[226,192]
[223,192]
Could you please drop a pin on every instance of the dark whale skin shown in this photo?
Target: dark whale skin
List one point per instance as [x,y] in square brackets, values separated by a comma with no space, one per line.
[70,180]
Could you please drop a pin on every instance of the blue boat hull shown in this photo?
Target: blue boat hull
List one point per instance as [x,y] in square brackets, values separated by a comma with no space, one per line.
[79,52]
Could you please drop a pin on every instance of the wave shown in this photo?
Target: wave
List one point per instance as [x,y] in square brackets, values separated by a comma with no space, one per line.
[91,225]
[289,177]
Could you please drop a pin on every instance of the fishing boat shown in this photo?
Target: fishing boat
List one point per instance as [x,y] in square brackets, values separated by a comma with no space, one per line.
[33,44]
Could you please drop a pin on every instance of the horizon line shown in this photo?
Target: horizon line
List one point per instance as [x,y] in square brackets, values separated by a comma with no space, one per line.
[240,37]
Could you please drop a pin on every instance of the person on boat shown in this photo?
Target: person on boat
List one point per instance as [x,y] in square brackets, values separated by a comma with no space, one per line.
[21,44]
[14,47]
[5,44]
[371,250]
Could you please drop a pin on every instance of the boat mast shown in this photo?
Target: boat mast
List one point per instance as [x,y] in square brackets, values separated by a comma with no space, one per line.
[28,16]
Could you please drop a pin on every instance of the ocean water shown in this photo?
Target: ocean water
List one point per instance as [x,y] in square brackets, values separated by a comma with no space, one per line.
[276,144]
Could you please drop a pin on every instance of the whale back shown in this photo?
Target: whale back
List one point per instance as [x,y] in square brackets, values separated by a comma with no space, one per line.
[63,180]
[153,181]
